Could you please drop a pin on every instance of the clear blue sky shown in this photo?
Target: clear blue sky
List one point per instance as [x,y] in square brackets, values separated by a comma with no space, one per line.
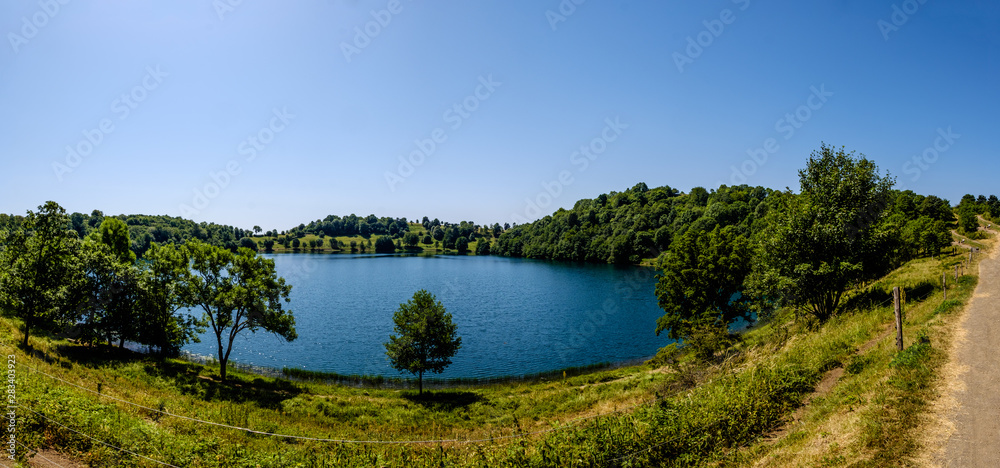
[181,87]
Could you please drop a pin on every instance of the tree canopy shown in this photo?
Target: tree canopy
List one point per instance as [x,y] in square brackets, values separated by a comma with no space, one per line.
[425,339]
[830,237]
[701,282]
[626,227]
[38,265]
[238,292]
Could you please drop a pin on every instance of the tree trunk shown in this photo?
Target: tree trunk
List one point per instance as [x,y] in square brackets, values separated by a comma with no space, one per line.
[27,328]
[421,383]
[222,361]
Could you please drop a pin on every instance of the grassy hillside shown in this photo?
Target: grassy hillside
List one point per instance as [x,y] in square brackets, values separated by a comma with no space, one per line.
[676,412]
[359,240]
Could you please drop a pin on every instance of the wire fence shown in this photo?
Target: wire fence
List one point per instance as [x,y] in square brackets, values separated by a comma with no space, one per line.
[564,425]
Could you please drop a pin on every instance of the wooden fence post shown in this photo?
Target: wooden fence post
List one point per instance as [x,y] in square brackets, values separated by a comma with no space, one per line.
[956,272]
[944,285]
[899,318]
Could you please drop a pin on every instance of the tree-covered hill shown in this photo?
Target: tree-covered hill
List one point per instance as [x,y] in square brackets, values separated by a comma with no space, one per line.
[641,223]
[625,227]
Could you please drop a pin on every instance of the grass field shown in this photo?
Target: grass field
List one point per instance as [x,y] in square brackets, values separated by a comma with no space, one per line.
[731,412]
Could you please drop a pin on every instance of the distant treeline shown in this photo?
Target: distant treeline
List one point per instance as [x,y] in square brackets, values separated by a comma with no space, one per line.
[144,230]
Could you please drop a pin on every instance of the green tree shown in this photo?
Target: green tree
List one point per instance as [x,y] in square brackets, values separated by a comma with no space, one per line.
[700,285]
[411,239]
[106,293]
[268,245]
[831,237]
[238,292]
[384,244]
[114,233]
[483,247]
[426,240]
[248,243]
[37,270]
[993,208]
[165,293]
[95,274]
[425,338]
[967,220]
[295,243]
[926,235]
[462,245]
[257,230]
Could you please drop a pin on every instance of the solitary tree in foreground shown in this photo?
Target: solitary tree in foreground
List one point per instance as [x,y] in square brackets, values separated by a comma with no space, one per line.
[425,338]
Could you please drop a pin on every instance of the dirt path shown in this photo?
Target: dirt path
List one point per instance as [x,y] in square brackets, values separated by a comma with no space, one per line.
[972,424]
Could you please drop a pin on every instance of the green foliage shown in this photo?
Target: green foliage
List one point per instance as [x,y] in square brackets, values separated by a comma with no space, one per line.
[248,243]
[164,295]
[106,293]
[238,292]
[831,237]
[706,339]
[665,356]
[967,221]
[37,270]
[701,282]
[425,339]
[914,355]
[383,244]
[948,306]
[927,235]
[462,245]
[483,247]
[629,226]
[411,239]
[114,233]
[978,235]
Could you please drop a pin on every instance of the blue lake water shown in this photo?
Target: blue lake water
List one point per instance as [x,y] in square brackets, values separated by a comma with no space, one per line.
[515,316]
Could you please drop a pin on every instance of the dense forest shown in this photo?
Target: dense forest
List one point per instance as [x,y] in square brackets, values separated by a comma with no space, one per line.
[626,227]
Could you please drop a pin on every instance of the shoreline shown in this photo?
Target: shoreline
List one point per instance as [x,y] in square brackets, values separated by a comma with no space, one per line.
[384,382]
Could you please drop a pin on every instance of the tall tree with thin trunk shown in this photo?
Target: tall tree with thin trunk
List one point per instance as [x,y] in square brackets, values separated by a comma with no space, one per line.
[426,339]
[36,269]
[238,292]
